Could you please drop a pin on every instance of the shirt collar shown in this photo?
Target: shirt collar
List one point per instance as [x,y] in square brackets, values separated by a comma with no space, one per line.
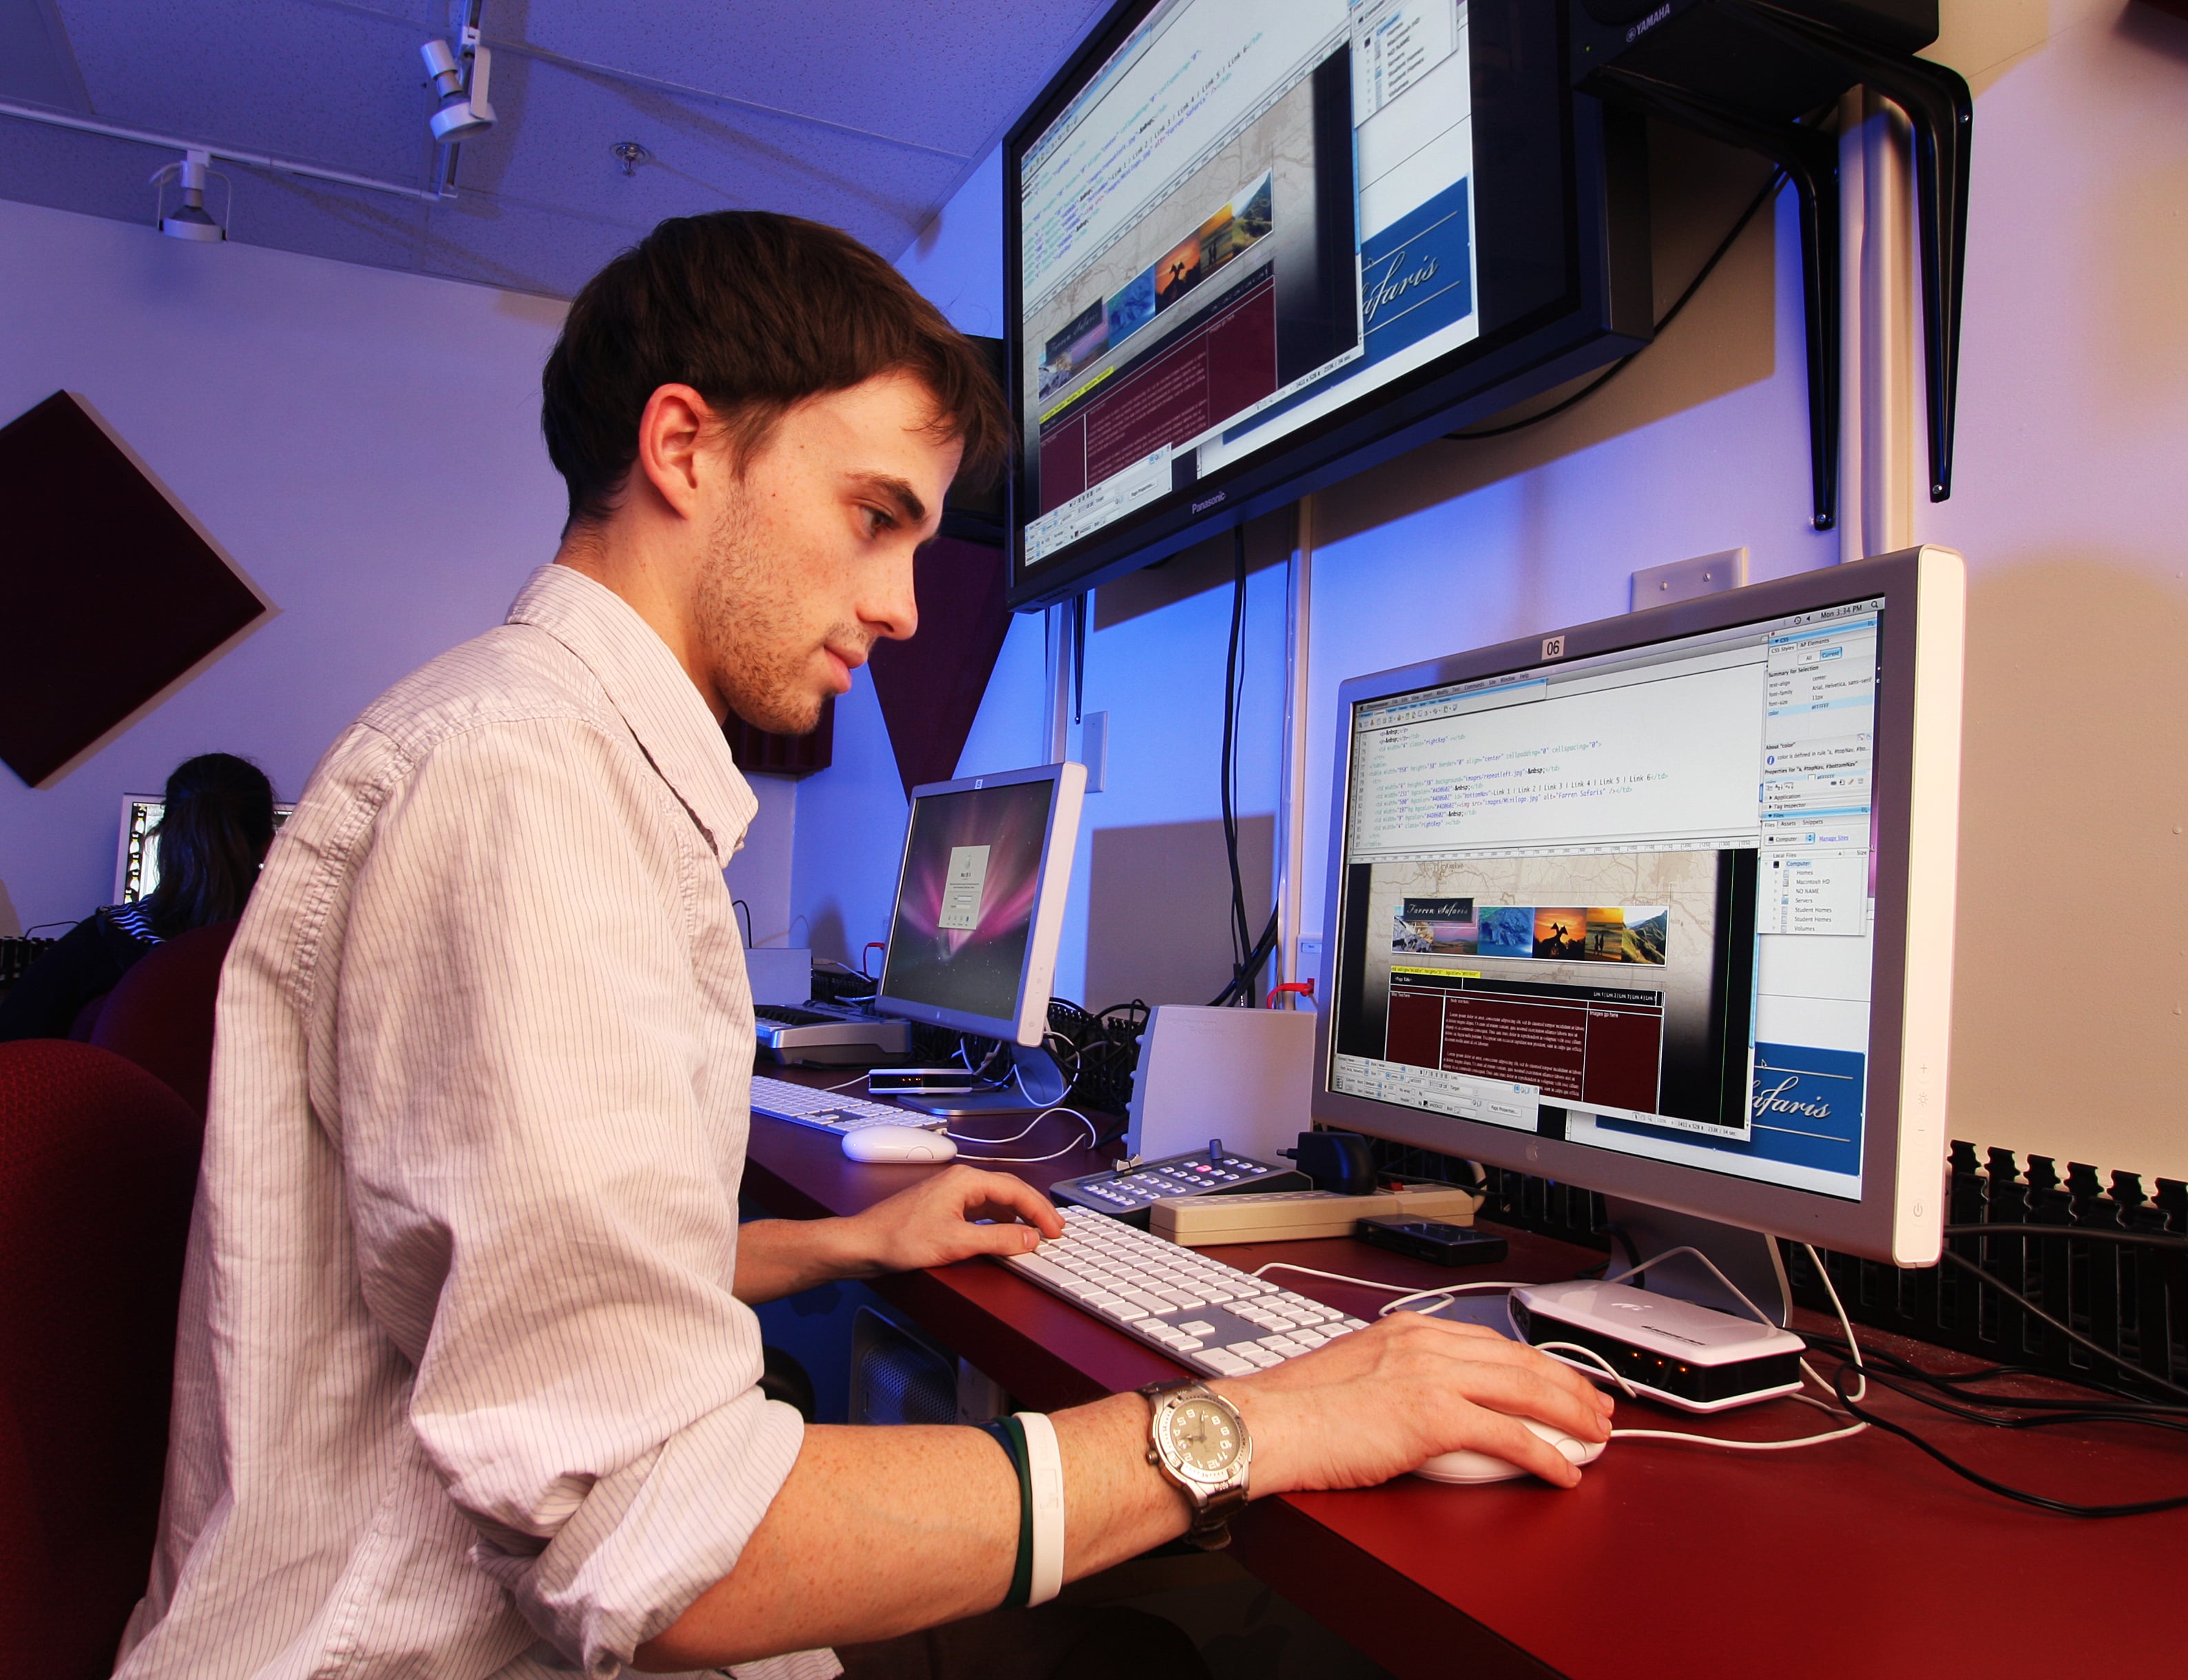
[652,692]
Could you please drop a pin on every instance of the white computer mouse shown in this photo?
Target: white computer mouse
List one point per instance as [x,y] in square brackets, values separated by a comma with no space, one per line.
[897,1143]
[1467,1468]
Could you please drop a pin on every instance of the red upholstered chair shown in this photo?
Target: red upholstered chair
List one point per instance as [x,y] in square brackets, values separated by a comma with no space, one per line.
[97,1166]
[160,1014]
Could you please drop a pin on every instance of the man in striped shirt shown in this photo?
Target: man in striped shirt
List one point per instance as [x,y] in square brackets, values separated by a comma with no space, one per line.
[466,1381]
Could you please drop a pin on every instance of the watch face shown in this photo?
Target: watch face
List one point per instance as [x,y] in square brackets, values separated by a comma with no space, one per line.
[1204,1438]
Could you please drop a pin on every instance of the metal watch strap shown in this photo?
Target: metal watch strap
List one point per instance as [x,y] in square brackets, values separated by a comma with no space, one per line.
[1212,1511]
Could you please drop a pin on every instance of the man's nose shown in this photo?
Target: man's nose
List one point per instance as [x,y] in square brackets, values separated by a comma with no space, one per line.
[891,606]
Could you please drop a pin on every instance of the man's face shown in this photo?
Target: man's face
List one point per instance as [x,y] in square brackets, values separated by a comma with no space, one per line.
[808,560]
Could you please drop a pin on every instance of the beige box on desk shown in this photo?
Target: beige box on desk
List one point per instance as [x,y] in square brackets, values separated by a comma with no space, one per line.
[1295,1215]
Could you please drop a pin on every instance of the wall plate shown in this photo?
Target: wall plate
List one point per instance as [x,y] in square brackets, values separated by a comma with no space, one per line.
[1689,579]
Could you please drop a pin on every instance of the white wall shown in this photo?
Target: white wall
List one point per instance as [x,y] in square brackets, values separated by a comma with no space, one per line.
[365,445]
[2071,505]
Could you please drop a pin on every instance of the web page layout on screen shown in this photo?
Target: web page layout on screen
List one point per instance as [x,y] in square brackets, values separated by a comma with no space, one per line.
[1252,213]
[1627,901]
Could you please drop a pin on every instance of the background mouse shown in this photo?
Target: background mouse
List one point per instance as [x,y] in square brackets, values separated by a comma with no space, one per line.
[1466,1467]
[897,1143]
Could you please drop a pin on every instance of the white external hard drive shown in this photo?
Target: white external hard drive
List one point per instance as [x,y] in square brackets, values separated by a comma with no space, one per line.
[1689,1356]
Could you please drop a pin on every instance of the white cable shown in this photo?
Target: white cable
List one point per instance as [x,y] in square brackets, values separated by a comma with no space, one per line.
[1591,1355]
[967,1137]
[1093,1136]
[1673,1253]
[1837,1306]
[1045,1478]
[1405,1294]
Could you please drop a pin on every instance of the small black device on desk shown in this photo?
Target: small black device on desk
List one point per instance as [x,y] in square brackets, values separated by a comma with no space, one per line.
[1132,1188]
[1431,1239]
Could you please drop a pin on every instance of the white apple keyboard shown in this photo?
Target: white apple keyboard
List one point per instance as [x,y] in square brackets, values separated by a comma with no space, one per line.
[829,1110]
[1214,1317]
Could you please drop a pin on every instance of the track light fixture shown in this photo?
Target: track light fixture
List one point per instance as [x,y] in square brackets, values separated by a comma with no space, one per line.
[191,220]
[458,76]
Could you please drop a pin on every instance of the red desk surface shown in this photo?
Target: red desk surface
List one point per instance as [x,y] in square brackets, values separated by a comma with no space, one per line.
[1859,1558]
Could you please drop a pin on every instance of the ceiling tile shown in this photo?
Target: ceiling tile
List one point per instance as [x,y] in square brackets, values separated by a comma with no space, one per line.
[874,111]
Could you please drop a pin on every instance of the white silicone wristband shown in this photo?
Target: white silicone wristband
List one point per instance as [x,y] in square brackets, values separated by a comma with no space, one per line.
[1045,1469]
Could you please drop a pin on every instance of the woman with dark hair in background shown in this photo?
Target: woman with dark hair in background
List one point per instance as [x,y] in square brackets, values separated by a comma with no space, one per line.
[212,836]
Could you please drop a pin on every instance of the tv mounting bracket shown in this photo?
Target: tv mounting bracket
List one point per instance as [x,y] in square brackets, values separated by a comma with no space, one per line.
[1698,78]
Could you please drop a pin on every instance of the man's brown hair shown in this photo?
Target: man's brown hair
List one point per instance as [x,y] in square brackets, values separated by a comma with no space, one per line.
[756,313]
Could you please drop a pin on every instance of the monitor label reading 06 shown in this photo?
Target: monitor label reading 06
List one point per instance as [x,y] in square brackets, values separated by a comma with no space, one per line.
[1250,215]
[1625,901]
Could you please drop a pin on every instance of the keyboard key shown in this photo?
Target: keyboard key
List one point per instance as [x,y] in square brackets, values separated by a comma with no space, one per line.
[1283,1345]
[1227,1363]
[1198,1327]
[1256,1356]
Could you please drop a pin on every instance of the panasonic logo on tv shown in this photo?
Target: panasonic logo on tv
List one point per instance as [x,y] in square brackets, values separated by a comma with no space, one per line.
[1203,506]
[1648,23]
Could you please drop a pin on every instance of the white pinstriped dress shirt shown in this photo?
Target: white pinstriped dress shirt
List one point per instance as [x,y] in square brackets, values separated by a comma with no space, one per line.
[461,1389]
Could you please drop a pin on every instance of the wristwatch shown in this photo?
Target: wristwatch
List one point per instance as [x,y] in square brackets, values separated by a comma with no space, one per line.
[1197,1439]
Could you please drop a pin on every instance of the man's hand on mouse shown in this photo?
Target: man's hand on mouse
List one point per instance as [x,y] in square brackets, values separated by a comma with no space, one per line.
[933,1222]
[1377,1403]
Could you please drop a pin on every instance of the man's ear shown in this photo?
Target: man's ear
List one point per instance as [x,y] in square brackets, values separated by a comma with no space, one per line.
[672,436]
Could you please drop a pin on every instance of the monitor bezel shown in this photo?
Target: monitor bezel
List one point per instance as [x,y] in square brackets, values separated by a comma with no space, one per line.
[1037,974]
[1605,312]
[1899,1216]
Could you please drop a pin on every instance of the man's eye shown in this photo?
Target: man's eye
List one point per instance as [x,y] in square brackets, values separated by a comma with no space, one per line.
[877,521]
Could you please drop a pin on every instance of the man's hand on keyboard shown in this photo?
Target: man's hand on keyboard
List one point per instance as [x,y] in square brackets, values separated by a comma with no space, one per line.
[1374,1404]
[932,1223]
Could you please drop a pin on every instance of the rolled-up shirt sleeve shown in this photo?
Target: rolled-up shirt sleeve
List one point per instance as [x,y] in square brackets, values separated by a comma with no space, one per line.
[545,1208]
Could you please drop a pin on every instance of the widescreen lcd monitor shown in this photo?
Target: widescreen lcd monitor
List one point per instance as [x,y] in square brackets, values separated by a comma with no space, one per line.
[1662,906]
[979,902]
[1252,246]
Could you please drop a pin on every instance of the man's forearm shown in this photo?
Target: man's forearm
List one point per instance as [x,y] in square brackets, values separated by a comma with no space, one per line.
[778,1257]
[877,1532]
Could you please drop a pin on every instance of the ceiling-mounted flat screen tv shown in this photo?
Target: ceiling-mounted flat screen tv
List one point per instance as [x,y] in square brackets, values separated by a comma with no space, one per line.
[1254,245]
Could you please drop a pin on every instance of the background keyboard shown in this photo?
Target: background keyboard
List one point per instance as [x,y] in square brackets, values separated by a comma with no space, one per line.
[1214,1317]
[830,1110]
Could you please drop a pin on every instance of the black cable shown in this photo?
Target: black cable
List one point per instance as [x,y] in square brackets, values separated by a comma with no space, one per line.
[1242,933]
[739,904]
[1969,1409]
[2067,1330]
[2148,1239]
[1877,1359]
[1618,367]
[2138,1508]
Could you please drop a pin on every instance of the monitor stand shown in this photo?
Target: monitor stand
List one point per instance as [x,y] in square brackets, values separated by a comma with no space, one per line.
[1035,1082]
[1749,1259]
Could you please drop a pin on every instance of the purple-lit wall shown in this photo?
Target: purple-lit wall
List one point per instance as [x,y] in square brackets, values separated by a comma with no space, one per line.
[365,445]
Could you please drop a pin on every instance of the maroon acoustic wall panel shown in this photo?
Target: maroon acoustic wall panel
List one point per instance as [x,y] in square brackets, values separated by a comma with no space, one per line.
[930,687]
[108,590]
[761,751]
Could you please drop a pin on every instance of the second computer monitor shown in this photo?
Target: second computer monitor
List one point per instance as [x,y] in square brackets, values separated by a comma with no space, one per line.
[979,902]
[1663,905]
